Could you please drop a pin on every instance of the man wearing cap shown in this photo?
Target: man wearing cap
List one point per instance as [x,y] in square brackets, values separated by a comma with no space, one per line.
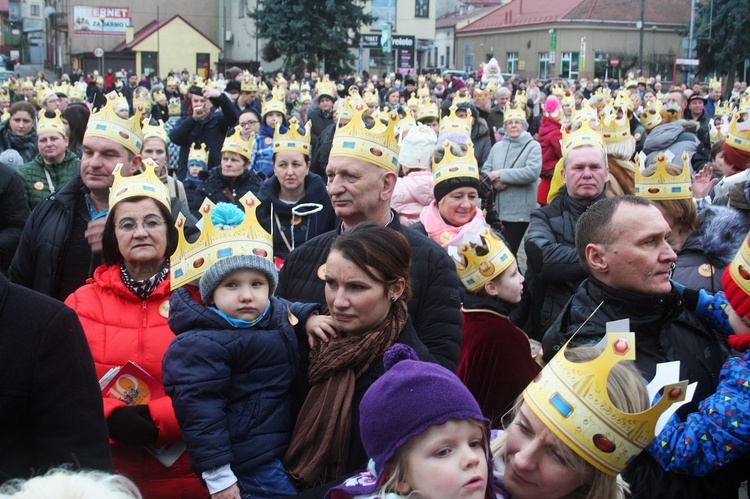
[696,112]
[54,165]
[322,116]
[362,173]
[496,115]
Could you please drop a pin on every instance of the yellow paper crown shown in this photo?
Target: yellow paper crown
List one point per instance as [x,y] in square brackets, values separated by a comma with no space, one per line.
[27,83]
[605,93]
[461,96]
[514,112]
[154,131]
[558,89]
[453,123]
[174,106]
[172,81]
[142,100]
[107,124]
[294,87]
[5,116]
[584,136]
[651,115]
[714,84]
[481,262]
[292,140]
[51,124]
[611,128]
[248,84]
[198,152]
[4,95]
[275,104]
[427,109]
[662,186]
[423,91]
[190,261]
[586,113]
[159,95]
[413,102]
[61,88]
[371,97]
[451,166]
[492,86]
[520,97]
[630,82]
[403,126]
[724,108]
[325,87]
[184,87]
[235,143]
[377,145]
[738,134]
[146,184]
[623,100]
[43,93]
[568,99]
[305,97]
[76,93]
[739,269]
[305,87]
[572,400]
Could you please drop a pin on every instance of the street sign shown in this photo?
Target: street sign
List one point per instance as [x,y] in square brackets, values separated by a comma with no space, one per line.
[687,62]
[98,52]
[614,62]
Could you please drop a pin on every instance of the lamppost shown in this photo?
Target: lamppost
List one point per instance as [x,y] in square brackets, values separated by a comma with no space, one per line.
[102,18]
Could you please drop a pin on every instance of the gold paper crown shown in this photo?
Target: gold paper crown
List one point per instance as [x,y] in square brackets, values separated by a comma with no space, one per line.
[413,102]
[623,100]
[190,261]
[5,116]
[107,124]
[427,109]
[651,115]
[305,97]
[184,87]
[568,99]
[714,84]
[51,124]
[155,131]
[477,268]
[739,269]
[738,134]
[461,96]
[451,166]
[294,87]
[198,152]
[43,93]
[248,84]
[4,95]
[236,144]
[305,87]
[377,145]
[275,104]
[27,83]
[586,113]
[142,100]
[558,89]
[514,111]
[159,95]
[520,97]
[77,93]
[611,128]
[174,106]
[605,93]
[172,81]
[146,184]
[492,86]
[584,136]
[572,400]
[724,108]
[293,141]
[325,87]
[371,97]
[661,186]
[630,82]
[403,126]
[61,88]
[423,91]
[453,123]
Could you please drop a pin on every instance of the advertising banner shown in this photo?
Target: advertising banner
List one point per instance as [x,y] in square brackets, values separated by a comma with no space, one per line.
[88,20]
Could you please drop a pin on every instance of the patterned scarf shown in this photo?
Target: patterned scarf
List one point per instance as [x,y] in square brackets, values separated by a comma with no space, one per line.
[143,288]
[25,145]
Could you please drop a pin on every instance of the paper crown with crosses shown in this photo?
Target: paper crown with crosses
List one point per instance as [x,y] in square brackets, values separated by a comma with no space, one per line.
[146,184]
[190,261]
[276,103]
[198,152]
[236,144]
[583,136]
[738,133]
[739,269]
[427,110]
[650,116]
[292,140]
[54,124]
[514,112]
[378,145]
[662,186]
[106,124]
[571,399]
[452,123]
[612,128]
[61,88]
[451,166]
[76,93]
[482,260]
[714,84]
[156,131]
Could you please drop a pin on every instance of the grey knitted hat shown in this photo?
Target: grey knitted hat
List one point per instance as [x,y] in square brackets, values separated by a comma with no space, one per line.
[219,270]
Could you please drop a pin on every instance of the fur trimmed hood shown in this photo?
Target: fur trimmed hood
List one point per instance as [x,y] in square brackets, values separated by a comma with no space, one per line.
[721,233]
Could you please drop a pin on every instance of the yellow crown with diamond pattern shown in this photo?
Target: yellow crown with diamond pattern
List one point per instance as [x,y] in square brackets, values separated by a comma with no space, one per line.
[452,123]
[583,136]
[651,115]
[514,112]
[378,145]
[146,184]
[106,124]
[714,84]
[292,140]
[738,134]
[739,269]
[236,144]
[662,186]
[190,261]
[54,124]
[452,166]
[572,400]
[613,129]
[481,262]
[198,152]
[427,109]
[155,131]
[276,103]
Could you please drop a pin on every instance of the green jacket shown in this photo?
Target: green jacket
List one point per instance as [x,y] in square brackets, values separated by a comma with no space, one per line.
[35,181]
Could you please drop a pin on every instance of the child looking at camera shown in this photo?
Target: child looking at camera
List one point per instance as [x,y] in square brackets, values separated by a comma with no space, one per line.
[424,433]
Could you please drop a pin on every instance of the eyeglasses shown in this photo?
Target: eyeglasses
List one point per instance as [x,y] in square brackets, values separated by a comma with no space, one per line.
[148,225]
[248,123]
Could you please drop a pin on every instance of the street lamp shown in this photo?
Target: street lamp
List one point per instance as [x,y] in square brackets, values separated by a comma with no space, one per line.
[102,18]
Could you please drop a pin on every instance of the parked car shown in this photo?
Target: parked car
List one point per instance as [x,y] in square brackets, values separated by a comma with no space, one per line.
[455,73]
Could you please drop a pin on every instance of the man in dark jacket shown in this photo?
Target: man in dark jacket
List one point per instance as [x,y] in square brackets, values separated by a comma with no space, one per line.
[554,271]
[360,185]
[321,117]
[206,125]
[622,244]
[51,407]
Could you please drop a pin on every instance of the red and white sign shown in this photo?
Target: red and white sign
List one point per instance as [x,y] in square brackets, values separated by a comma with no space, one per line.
[614,62]
[100,20]
[98,52]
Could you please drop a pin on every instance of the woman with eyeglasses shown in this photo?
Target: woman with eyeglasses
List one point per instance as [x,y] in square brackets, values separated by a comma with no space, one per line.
[123,311]
[249,122]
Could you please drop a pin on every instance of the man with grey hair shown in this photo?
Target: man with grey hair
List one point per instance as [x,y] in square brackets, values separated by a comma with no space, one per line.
[496,116]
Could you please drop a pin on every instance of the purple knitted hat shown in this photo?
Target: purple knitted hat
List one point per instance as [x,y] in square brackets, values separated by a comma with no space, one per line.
[404,402]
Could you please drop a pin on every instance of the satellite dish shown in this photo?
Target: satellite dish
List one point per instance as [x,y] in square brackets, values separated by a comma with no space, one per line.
[49,11]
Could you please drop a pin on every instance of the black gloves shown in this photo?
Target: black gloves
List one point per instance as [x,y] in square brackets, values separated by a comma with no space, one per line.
[132,425]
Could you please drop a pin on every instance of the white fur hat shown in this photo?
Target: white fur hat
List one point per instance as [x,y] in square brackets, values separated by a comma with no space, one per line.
[417,147]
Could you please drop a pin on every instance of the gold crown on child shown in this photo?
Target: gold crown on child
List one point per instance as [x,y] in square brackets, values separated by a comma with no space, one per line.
[572,400]
[198,152]
[739,269]
[662,186]
[190,261]
[477,268]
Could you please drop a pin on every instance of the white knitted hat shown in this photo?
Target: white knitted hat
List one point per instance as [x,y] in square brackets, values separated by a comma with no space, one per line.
[418,147]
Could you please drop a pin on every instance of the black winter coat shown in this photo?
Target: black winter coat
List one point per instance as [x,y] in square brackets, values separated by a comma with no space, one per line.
[435,303]
[221,189]
[14,210]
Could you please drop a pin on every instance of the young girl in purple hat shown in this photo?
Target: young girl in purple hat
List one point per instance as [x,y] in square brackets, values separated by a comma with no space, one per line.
[424,433]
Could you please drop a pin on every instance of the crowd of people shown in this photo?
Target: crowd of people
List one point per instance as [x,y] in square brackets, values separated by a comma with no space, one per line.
[407,286]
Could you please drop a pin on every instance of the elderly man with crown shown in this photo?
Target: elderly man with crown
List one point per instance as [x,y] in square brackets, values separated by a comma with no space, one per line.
[362,173]
[622,245]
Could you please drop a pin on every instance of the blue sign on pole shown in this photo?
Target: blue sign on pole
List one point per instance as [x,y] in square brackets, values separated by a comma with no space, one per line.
[385,38]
